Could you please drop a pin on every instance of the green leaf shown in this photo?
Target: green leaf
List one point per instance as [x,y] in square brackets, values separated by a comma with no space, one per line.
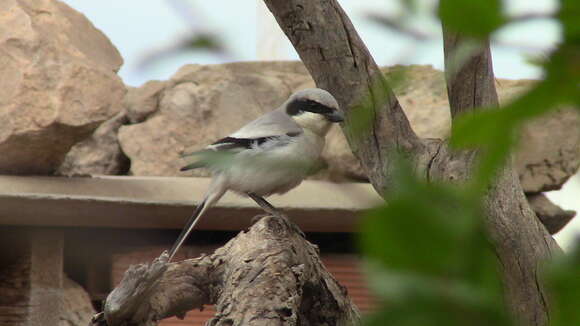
[360,119]
[415,300]
[568,15]
[493,131]
[481,128]
[491,159]
[563,280]
[428,259]
[426,228]
[203,41]
[476,18]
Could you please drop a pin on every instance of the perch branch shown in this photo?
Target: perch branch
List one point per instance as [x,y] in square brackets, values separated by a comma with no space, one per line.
[269,275]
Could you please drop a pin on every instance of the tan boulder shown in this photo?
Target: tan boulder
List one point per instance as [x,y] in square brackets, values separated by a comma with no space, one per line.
[141,102]
[550,151]
[200,104]
[58,82]
[100,154]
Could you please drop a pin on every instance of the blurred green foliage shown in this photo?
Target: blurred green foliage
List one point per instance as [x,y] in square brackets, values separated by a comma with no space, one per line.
[473,18]
[428,260]
[494,129]
[203,42]
[563,278]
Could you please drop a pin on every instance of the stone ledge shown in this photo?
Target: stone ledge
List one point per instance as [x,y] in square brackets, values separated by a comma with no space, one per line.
[166,203]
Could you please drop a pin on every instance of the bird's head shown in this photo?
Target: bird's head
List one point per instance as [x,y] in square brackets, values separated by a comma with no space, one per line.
[314,109]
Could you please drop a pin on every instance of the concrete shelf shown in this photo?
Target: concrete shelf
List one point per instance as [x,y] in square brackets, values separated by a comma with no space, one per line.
[166,203]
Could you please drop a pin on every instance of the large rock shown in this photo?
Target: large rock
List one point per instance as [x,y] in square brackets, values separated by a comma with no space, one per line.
[203,103]
[58,83]
[100,154]
[550,151]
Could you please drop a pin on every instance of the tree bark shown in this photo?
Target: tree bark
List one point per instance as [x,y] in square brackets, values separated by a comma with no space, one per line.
[339,62]
[269,275]
[521,242]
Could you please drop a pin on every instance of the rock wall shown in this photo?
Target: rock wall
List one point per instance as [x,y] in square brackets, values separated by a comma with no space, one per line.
[202,103]
[58,83]
[64,110]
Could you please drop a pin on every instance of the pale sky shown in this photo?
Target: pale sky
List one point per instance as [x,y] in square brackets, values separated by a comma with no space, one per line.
[139,28]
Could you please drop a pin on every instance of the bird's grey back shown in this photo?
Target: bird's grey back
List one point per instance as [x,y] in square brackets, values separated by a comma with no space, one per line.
[275,123]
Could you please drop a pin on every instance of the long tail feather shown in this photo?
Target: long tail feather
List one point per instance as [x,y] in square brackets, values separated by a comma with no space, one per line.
[195,217]
[212,197]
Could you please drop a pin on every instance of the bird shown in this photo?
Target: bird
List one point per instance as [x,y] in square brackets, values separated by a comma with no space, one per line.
[270,155]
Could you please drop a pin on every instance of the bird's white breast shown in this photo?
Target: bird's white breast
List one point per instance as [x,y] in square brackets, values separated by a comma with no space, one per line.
[270,169]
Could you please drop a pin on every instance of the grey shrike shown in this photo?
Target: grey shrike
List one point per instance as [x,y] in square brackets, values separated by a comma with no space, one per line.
[270,155]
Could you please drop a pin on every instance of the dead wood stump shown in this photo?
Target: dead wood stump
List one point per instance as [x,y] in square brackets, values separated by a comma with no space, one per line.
[268,275]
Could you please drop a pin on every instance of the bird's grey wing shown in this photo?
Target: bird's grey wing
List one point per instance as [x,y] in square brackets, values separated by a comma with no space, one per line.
[275,123]
[273,127]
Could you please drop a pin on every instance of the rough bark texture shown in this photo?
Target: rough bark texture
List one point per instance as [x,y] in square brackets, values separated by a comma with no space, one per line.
[470,84]
[521,242]
[269,275]
[339,62]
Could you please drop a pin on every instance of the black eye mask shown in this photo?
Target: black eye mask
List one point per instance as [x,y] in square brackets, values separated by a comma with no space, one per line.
[298,106]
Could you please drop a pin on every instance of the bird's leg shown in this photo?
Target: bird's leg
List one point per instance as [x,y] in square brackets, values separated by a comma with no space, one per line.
[265,204]
[275,212]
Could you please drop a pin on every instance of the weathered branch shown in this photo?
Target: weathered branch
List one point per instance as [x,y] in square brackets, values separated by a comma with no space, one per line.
[521,243]
[269,275]
[339,62]
[469,73]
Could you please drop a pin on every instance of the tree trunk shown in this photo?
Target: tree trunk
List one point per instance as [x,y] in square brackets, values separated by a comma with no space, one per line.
[269,275]
[521,242]
[339,62]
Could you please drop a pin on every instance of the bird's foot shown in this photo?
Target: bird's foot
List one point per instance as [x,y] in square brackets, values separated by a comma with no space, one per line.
[256,218]
[289,223]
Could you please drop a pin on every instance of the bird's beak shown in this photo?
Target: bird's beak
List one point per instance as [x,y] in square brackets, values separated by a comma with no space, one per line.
[335,116]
